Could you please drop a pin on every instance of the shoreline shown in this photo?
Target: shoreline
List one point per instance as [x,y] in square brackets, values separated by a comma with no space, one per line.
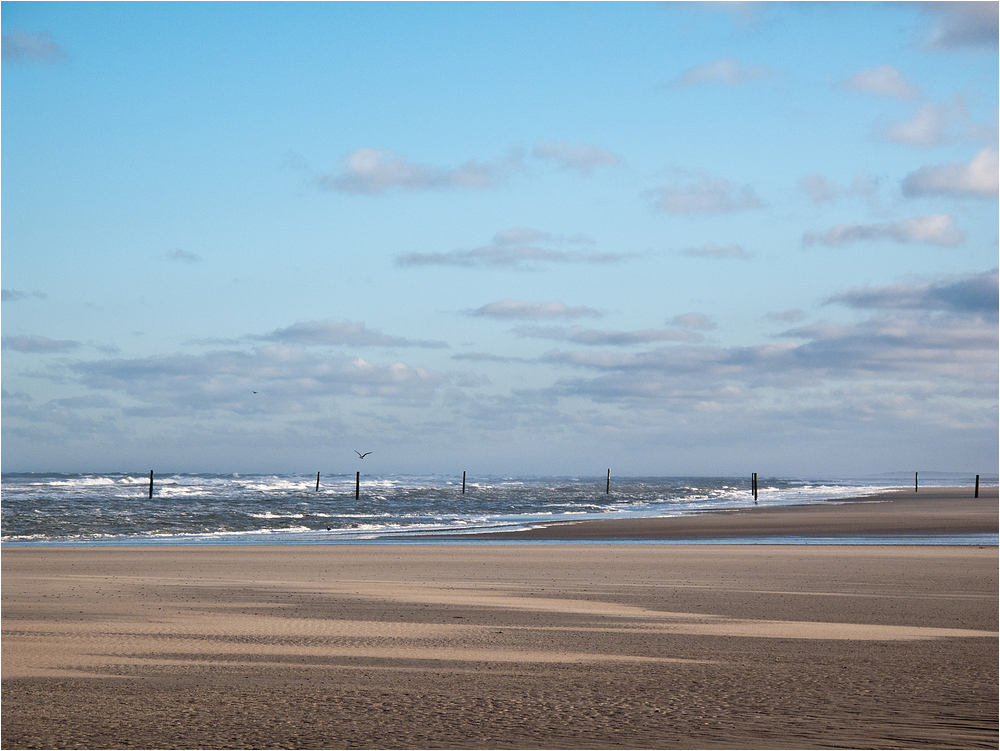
[935,515]
[897,513]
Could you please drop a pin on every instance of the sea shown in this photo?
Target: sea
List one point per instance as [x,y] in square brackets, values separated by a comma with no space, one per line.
[288,509]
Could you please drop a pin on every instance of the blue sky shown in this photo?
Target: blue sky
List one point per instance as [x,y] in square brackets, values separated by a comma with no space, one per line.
[538,238]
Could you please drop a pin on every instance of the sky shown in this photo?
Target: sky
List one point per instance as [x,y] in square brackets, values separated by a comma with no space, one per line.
[502,238]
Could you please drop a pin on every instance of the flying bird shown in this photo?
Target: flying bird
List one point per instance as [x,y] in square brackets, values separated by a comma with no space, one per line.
[360,454]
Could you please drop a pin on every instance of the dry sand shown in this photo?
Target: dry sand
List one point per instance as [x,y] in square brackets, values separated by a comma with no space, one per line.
[507,646]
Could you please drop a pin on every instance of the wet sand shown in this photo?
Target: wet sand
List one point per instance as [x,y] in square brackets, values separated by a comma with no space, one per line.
[506,646]
[931,511]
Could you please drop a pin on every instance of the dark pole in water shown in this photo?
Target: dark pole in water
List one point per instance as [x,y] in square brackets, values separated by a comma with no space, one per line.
[755,487]
[916,482]
[977,486]
[317,481]
[463,481]
[357,486]
[607,490]
[150,483]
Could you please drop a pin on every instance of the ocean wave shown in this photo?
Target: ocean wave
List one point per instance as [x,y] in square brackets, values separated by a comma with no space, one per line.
[116,506]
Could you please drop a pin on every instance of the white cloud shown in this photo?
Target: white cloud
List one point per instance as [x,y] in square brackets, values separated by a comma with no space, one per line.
[726,70]
[582,157]
[13,295]
[975,294]
[488,357]
[963,24]
[927,128]
[821,190]
[934,125]
[930,345]
[980,178]
[696,321]
[883,80]
[346,333]
[787,316]
[372,171]
[517,247]
[936,337]
[706,195]
[934,229]
[923,358]
[36,344]
[287,380]
[26,47]
[525,309]
[605,338]
[818,188]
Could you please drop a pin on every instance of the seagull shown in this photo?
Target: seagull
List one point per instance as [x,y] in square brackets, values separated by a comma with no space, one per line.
[360,454]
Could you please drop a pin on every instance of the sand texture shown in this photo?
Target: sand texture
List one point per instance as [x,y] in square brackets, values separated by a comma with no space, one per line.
[500,646]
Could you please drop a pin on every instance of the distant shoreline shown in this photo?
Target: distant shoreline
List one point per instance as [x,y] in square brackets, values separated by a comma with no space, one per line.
[931,511]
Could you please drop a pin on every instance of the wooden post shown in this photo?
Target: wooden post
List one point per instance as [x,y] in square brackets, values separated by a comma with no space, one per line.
[916,482]
[977,486]
[755,487]
[357,486]
[463,482]
[317,481]
[607,490]
[150,483]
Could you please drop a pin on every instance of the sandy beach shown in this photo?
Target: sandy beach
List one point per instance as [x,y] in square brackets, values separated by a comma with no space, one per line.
[518,646]
[932,511]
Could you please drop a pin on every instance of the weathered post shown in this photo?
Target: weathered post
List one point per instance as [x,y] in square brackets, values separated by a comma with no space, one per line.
[317,481]
[463,482]
[150,483]
[357,485]
[977,486]
[916,482]
[755,487]
[607,490]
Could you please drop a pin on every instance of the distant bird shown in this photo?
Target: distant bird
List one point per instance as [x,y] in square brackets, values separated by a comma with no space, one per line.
[255,392]
[360,454]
